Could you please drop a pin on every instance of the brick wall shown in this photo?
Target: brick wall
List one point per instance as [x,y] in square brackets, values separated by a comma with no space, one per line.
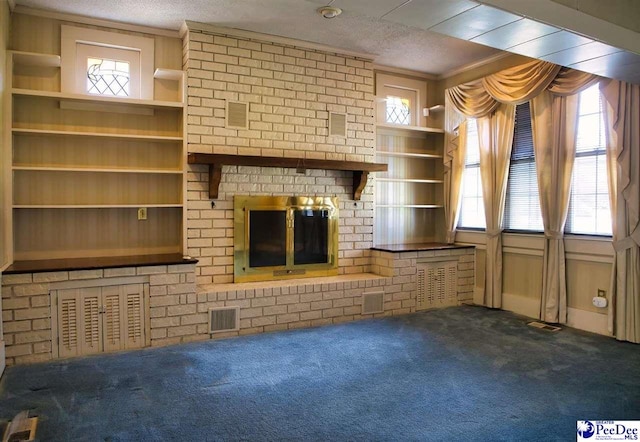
[290,92]
[27,310]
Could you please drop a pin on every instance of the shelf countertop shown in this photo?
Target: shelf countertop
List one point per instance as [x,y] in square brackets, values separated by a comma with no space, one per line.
[106,262]
[418,247]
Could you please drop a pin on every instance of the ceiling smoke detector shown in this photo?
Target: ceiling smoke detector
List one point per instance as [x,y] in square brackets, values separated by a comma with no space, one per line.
[329,11]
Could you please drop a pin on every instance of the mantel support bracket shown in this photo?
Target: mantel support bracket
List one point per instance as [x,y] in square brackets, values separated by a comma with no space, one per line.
[215,176]
[360,178]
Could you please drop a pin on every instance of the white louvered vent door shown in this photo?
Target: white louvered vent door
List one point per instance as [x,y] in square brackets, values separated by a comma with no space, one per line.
[133,297]
[90,321]
[68,322]
[96,319]
[112,318]
[436,285]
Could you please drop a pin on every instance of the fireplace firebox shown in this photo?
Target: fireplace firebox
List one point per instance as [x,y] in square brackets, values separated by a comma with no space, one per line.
[279,237]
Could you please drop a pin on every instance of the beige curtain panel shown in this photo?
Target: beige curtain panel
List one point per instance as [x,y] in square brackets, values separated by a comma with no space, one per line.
[481,99]
[495,134]
[622,113]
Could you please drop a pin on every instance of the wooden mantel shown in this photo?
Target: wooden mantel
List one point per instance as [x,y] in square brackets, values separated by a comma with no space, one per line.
[216,161]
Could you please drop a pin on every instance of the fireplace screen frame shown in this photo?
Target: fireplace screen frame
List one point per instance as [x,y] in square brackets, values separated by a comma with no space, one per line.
[243,205]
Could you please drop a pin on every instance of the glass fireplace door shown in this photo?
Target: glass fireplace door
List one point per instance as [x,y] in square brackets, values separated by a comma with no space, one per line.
[310,236]
[267,238]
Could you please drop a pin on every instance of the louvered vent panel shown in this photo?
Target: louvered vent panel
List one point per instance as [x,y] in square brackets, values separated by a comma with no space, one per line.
[372,303]
[420,287]
[91,318]
[113,323]
[134,320]
[68,319]
[338,124]
[224,319]
[437,284]
[237,115]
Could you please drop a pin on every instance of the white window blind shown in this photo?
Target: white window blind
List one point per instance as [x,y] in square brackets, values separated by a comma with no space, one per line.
[522,205]
[472,206]
[589,209]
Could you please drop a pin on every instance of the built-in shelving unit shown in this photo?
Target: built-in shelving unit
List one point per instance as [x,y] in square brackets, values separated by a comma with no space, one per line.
[83,165]
[409,197]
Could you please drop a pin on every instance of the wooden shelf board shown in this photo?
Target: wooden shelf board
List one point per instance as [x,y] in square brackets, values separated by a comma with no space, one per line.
[408,154]
[96,169]
[103,262]
[168,74]
[35,59]
[434,130]
[65,133]
[93,206]
[409,180]
[98,99]
[360,170]
[409,206]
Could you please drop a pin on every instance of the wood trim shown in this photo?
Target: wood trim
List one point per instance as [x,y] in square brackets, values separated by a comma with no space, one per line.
[216,161]
[54,265]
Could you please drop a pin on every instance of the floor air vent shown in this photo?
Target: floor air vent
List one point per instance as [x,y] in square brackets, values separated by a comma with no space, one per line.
[543,326]
[224,319]
[372,303]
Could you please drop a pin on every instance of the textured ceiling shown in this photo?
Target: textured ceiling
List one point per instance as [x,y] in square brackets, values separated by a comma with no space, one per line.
[362,27]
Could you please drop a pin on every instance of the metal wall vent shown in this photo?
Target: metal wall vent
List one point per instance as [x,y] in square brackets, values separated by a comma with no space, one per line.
[237,115]
[372,303]
[543,326]
[224,319]
[338,124]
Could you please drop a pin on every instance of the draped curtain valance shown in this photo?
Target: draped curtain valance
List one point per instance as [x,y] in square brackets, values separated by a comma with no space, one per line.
[516,85]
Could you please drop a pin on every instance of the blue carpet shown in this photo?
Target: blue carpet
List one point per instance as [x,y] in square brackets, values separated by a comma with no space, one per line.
[457,374]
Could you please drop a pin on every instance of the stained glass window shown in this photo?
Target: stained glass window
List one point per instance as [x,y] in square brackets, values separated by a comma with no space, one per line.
[107,77]
[398,110]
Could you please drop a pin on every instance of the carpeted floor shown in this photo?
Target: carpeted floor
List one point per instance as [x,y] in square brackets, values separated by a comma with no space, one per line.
[458,374]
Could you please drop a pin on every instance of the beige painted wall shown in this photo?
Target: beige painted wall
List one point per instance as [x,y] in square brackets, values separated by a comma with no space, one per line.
[4,39]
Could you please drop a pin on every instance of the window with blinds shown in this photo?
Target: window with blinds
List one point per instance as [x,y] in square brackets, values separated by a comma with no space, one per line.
[589,208]
[472,205]
[522,205]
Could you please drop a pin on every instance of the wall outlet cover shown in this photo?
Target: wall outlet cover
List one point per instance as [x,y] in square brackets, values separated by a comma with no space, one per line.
[600,302]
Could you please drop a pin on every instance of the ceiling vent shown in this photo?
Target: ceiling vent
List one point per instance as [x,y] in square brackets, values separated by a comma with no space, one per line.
[237,115]
[372,303]
[338,125]
[224,319]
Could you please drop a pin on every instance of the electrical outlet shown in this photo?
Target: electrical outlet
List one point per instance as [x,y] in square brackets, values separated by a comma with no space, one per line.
[142,213]
[602,293]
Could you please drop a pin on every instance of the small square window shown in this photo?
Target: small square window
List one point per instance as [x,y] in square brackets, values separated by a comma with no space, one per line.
[108,77]
[398,110]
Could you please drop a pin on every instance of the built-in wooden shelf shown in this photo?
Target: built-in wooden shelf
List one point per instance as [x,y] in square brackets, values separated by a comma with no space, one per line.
[360,170]
[408,154]
[96,170]
[409,206]
[68,133]
[410,180]
[97,99]
[168,74]
[418,247]
[105,262]
[434,130]
[92,206]
[22,58]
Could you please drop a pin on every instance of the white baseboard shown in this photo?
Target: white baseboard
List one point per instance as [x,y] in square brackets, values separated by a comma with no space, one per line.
[521,305]
[588,321]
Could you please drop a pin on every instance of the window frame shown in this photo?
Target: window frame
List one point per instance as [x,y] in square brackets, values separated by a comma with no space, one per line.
[459,226]
[73,36]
